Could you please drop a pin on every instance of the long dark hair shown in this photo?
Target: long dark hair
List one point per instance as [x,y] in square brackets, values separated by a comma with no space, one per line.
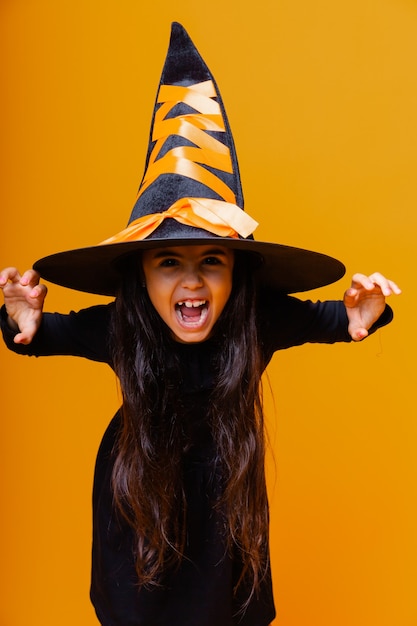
[147,480]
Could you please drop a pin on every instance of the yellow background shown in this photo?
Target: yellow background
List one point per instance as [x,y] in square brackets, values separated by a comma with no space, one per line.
[321,96]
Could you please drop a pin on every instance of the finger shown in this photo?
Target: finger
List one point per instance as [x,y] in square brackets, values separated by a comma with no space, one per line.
[30,278]
[357,333]
[27,333]
[39,292]
[21,338]
[394,287]
[362,281]
[24,338]
[9,273]
[350,297]
[387,286]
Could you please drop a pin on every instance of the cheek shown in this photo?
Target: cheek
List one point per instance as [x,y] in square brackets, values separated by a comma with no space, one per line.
[224,291]
[159,295]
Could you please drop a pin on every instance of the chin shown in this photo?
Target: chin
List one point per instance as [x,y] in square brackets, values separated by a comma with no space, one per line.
[191,337]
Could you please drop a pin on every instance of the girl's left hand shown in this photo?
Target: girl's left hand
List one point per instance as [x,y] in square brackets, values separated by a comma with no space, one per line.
[365,302]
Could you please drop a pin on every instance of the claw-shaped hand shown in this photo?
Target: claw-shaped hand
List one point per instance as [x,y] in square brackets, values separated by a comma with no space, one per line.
[24,297]
[365,302]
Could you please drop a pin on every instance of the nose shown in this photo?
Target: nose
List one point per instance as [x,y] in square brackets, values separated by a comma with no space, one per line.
[192,278]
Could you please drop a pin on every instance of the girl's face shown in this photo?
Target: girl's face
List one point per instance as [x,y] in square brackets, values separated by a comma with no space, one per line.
[189,287]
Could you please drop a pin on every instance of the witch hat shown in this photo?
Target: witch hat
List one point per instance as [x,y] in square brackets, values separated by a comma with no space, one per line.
[190,193]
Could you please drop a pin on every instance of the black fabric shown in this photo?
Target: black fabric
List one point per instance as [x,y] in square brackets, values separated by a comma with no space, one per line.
[200,592]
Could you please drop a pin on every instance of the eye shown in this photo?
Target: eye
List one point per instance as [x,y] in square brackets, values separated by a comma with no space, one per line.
[212,260]
[169,262]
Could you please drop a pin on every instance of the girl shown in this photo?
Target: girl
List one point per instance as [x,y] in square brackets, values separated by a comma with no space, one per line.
[179,501]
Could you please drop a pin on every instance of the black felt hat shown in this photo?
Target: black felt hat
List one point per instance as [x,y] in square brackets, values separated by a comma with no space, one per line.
[190,194]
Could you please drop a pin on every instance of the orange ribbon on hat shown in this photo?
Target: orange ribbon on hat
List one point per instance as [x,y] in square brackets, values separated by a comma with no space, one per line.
[203,148]
[216,216]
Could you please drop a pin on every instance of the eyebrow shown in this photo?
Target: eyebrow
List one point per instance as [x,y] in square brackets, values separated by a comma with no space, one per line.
[161,254]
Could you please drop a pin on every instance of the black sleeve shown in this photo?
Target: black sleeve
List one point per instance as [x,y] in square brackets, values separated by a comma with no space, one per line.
[84,334]
[288,321]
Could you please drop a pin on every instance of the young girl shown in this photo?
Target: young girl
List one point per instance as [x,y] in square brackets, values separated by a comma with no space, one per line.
[180,504]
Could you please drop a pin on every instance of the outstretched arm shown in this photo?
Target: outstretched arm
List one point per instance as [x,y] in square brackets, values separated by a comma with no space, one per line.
[23,297]
[365,302]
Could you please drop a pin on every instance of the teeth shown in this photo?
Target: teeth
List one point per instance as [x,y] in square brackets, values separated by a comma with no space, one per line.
[192,303]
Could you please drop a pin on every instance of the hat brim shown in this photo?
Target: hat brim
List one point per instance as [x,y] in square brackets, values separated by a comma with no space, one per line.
[282,268]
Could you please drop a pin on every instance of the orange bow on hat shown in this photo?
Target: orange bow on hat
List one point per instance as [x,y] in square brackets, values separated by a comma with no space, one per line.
[216,216]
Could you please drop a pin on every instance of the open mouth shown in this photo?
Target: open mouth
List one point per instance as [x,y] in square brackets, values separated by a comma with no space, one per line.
[192,313]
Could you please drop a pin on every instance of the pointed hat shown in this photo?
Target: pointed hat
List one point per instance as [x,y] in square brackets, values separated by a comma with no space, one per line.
[190,193]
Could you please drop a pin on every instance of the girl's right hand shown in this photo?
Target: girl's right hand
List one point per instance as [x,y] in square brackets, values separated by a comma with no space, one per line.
[23,297]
